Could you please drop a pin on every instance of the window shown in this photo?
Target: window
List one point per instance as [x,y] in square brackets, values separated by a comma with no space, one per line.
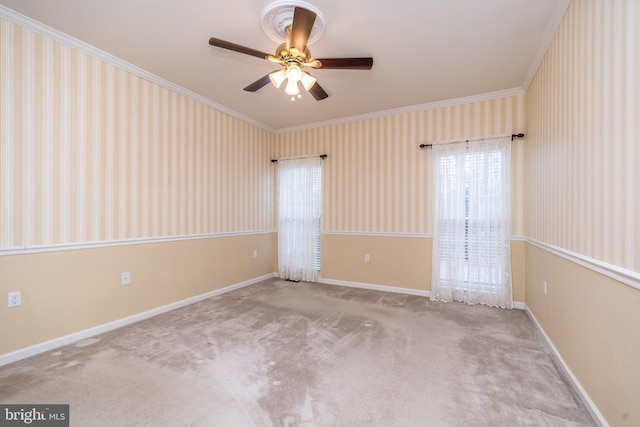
[471,257]
[299,218]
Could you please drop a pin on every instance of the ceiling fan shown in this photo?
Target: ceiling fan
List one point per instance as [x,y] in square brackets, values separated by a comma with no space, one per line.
[294,56]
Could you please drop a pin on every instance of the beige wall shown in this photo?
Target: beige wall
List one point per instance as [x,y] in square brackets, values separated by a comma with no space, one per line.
[69,291]
[91,155]
[377,188]
[583,199]
[518,269]
[395,261]
[593,322]
[403,262]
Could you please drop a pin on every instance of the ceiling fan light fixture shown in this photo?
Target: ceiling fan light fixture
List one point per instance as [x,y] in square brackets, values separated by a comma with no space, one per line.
[297,33]
[294,73]
[278,77]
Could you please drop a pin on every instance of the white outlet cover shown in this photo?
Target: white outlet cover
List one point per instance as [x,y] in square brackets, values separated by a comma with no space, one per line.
[15,299]
[125,278]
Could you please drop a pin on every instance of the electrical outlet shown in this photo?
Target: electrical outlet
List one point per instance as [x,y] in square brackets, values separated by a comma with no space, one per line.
[125,278]
[255,253]
[545,287]
[367,258]
[15,299]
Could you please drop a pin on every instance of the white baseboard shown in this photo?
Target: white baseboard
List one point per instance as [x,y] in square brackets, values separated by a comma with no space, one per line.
[384,288]
[101,329]
[375,287]
[519,305]
[580,391]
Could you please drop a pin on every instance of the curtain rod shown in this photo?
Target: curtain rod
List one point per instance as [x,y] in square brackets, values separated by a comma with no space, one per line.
[513,136]
[322,156]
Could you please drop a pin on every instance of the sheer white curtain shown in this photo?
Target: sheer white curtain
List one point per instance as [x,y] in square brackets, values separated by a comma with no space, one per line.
[299,213]
[471,229]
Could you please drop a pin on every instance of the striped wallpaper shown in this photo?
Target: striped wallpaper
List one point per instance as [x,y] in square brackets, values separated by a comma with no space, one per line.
[378,180]
[91,153]
[582,184]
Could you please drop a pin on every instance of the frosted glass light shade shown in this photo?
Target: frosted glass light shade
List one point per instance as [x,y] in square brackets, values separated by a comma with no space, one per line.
[307,80]
[277,77]
[294,73]
[292,87]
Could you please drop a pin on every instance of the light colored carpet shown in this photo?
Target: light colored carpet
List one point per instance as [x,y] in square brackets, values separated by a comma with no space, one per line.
[296,354]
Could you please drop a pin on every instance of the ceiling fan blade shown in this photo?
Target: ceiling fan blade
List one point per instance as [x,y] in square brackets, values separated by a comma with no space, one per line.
[237,48]
[347,63]
[301,27]
[318,93]
[258,84]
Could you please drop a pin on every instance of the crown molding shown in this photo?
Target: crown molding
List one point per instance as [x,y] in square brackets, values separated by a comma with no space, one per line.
[93,51]
[410,109]
[58,36]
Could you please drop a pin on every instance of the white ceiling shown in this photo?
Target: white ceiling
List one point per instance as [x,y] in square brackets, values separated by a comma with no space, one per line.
[424,51]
